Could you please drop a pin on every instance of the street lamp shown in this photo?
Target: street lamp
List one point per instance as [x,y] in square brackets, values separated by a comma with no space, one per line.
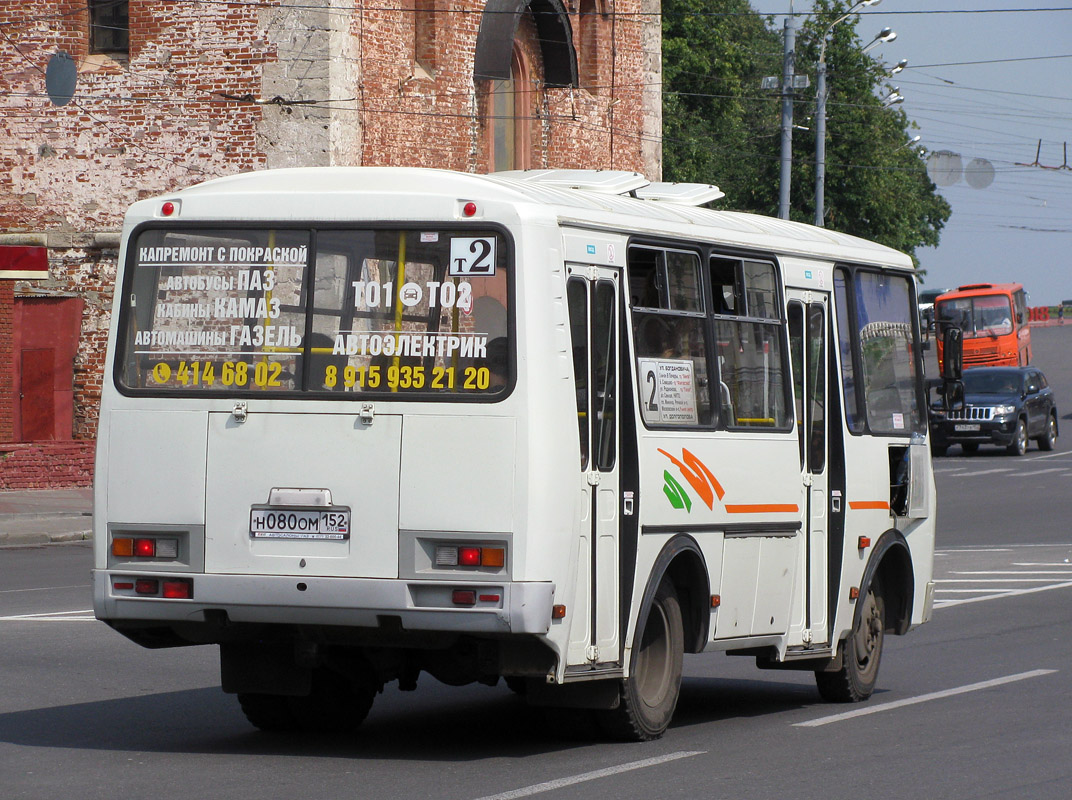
[820,111]
[914,140]
[893,98]
[884,35]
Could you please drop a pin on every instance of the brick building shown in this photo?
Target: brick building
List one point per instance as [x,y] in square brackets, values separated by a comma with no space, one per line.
[108,101]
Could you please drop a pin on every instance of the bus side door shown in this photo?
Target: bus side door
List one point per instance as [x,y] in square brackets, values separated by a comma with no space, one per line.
[808,330]
[592,293]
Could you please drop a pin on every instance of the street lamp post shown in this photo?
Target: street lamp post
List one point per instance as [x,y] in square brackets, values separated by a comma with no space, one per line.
[820,110]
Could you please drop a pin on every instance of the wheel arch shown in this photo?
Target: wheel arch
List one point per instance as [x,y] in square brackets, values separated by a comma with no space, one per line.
[682,561]
[890,565]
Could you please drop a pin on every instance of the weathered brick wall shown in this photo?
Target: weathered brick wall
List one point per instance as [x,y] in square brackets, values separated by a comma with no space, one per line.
[46,465]
[335,84]
[84,265]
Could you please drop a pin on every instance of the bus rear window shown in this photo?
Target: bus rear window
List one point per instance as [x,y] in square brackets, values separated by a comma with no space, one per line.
[337,312]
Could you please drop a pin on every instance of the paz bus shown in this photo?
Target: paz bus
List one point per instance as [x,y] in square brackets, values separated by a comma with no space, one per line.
[993,319]
[553,427]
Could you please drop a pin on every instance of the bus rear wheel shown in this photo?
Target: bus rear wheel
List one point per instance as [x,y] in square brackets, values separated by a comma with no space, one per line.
[649,695]
[336,704]
[861,653]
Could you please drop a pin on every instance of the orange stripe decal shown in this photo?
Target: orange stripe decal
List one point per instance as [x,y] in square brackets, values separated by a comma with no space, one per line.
[863,505]
[764,508]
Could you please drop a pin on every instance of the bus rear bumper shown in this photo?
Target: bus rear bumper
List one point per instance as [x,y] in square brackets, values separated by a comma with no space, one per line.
[504,608]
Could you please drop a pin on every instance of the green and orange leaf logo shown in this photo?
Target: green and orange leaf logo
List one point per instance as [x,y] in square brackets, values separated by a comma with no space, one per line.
[698,476]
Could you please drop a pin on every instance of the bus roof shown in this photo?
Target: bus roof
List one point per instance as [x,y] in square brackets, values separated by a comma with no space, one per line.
[977,289]
[341,194]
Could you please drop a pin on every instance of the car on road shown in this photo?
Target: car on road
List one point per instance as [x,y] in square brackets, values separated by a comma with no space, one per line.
[1003,406]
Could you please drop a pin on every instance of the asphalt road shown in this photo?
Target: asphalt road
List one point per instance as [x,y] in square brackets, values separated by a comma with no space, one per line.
[973,705]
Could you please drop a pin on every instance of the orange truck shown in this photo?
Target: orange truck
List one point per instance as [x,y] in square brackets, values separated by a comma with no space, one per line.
[994,319]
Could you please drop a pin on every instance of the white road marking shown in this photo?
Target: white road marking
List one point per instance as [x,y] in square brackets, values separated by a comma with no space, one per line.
[53,616]
[990,471]
[992,580]
[1009,593]
[549,786]
[1017,572]
[46,588]
[924,698]
[972,550]
[1039,472]
[1052,455]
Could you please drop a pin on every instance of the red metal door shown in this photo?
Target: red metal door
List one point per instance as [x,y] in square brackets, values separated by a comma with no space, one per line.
[45,345]
[38,411]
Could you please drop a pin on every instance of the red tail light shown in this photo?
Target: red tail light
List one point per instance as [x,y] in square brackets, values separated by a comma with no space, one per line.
[178,590]
[469,556]
[463,597]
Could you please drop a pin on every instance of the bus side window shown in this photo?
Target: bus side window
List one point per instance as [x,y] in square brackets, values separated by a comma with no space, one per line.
[725,287]
[754,385]
[577,296]
[645,279]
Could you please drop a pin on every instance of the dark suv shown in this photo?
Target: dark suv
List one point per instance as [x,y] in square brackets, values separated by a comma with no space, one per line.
[1005,406]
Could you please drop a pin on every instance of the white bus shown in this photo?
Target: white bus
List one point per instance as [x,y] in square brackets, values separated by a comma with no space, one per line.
[557,427]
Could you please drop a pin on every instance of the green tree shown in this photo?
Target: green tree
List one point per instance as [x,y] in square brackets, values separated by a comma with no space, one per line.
[719,127]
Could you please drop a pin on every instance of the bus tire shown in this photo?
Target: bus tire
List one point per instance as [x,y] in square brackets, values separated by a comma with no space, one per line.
[1019,442]
[336,704]
[861,654]
[268,712]
[649,695]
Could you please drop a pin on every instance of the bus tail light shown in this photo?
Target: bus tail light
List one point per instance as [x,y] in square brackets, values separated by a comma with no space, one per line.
[145,547]
[178,589]
[470,556]
[168,588]
[463,597]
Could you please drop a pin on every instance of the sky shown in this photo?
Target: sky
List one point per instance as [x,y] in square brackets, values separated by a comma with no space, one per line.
[1019,227]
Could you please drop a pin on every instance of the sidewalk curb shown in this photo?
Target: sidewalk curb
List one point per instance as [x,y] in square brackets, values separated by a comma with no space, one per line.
[35,539]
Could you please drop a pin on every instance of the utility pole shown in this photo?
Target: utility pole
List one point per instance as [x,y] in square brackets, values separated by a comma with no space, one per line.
[788,59]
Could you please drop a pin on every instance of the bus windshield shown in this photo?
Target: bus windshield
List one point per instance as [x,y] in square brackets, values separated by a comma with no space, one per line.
[293,311]
[986,315]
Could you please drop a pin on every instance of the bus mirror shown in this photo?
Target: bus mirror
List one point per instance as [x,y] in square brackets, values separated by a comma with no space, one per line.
[952,353]
[953,395]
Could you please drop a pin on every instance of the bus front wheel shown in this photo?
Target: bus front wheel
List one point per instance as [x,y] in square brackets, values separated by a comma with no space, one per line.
[861,653]
[649,695]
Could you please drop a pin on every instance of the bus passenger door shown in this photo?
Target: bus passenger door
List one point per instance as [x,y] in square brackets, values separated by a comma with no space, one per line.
[808,331]
[592,293]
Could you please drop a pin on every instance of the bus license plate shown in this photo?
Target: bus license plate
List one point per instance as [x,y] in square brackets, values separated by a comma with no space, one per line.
[273,522]
[965,428]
